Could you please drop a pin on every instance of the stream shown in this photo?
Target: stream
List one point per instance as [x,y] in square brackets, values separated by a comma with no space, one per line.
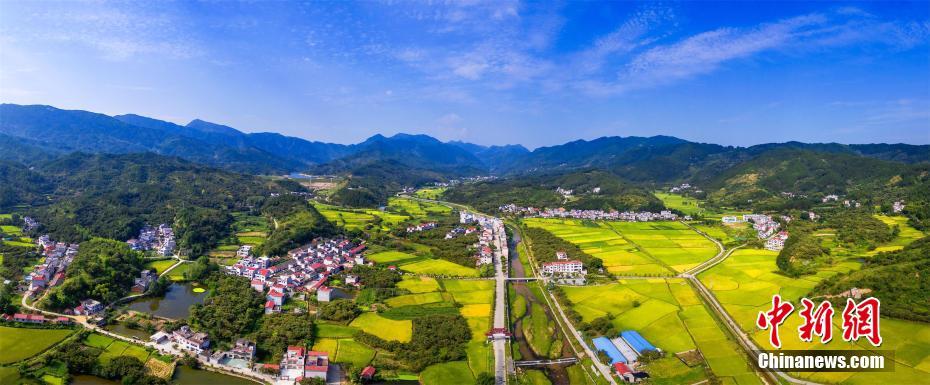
[556,373]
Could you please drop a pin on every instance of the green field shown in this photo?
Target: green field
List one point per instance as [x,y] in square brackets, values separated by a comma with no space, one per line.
[388,329]
[456,372]
[745,283]
[115,349]
[673,243]
[325,330]
[160,266]
[18,344]
[358,219]
[98,341]
[439,267]
[391,257]
[419,284]
[12,230]
[417,209]
[357,354]
[430,193]
[177,274]
[671,316]
[599,240]
[681,203]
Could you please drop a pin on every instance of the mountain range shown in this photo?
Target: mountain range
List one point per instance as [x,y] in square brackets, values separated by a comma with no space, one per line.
[35,132]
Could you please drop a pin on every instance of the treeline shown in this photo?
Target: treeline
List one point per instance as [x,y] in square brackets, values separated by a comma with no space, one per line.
[371,184]
[436,338]
[103,270]
[860,228]
[232,308]
[802,254]
[128,370]
[459,250]
[295,221]
[900,279]
[278,331]
[592,189]
[545,245]
[113,196]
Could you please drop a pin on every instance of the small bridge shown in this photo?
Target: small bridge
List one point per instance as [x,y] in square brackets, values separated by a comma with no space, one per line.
[569,360]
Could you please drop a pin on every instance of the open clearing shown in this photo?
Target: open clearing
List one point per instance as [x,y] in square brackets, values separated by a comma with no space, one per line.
[21,343]
[672,317]
[745,283]
[620,256]
[681,203]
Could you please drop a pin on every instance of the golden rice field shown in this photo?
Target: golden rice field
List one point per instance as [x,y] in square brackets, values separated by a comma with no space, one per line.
[745,283]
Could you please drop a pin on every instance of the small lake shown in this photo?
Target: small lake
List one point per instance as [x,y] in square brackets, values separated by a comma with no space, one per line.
[175,304]
[184,375]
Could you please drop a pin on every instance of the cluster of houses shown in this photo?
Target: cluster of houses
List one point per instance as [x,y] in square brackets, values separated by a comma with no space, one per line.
[421,227]
[30,224]
[86,307]
[144,282]
[565,271]
[766,228]
[484,254]
[35,319]
[684,187]
[624,351]
[160,239]
[459,231]
[304,270]
[897,207]
[51,272]
[612,215]
[299,363]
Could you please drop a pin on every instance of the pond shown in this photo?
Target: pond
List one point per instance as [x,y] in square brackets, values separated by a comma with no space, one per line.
[184,375]
[175,304]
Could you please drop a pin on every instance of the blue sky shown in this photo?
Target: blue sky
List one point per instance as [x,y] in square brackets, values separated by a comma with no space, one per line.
[534,73]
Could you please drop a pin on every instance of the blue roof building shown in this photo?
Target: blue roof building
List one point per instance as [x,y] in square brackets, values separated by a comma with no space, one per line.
[603,343]
[637,341]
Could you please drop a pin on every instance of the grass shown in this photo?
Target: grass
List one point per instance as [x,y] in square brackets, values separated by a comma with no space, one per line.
[745,283]
[115,349]
[329,345]
[619,255]
[160,266]
[414,299]
[534,377]
[355,219]
[391,257]
[20,343]
[177,274]
[136,351]
[417,209]
[388,329]
[12,230]
[456,372]
[672,243]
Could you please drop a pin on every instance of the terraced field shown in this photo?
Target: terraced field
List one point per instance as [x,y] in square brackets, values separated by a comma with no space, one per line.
[352,219]
[619,255]
[745,282]
[668,313]
[430,193]
[673,243]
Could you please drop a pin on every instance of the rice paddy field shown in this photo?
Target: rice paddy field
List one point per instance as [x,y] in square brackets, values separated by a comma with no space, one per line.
[430,192]
[597,239]
[417,209]
[422,265]
[673,243]
[672,317]
[358,219]
[745,283]
[456,372]
[681,203]
[161,265]
[18,344]
[388,329]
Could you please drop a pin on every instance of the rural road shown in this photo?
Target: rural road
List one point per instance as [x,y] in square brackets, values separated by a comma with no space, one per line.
[744,341]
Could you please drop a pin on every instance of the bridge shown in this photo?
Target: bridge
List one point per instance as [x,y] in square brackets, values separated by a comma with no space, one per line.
[570,360]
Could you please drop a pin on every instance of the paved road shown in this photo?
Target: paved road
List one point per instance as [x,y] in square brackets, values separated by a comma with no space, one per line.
[744,341]
[500,302]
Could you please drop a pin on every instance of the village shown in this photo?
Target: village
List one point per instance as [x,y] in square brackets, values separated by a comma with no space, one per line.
[612,215]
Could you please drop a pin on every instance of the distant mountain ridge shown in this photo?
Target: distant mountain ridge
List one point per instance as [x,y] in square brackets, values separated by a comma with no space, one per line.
[30,129]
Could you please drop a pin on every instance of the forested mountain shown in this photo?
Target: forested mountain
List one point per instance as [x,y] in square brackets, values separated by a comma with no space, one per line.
[591,189]
[80,196]
[414,151]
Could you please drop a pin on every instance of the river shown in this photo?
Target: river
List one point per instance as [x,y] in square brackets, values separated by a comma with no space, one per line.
[556,373]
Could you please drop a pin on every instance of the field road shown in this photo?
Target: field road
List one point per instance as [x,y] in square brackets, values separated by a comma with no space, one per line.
[500,302]
[744,341]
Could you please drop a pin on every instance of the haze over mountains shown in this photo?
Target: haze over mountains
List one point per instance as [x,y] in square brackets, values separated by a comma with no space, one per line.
[28,132]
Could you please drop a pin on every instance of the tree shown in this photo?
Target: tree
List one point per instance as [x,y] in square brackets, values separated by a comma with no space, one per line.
[103,269]
[232,309]
[484,378]
[338,310]
[278,331]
